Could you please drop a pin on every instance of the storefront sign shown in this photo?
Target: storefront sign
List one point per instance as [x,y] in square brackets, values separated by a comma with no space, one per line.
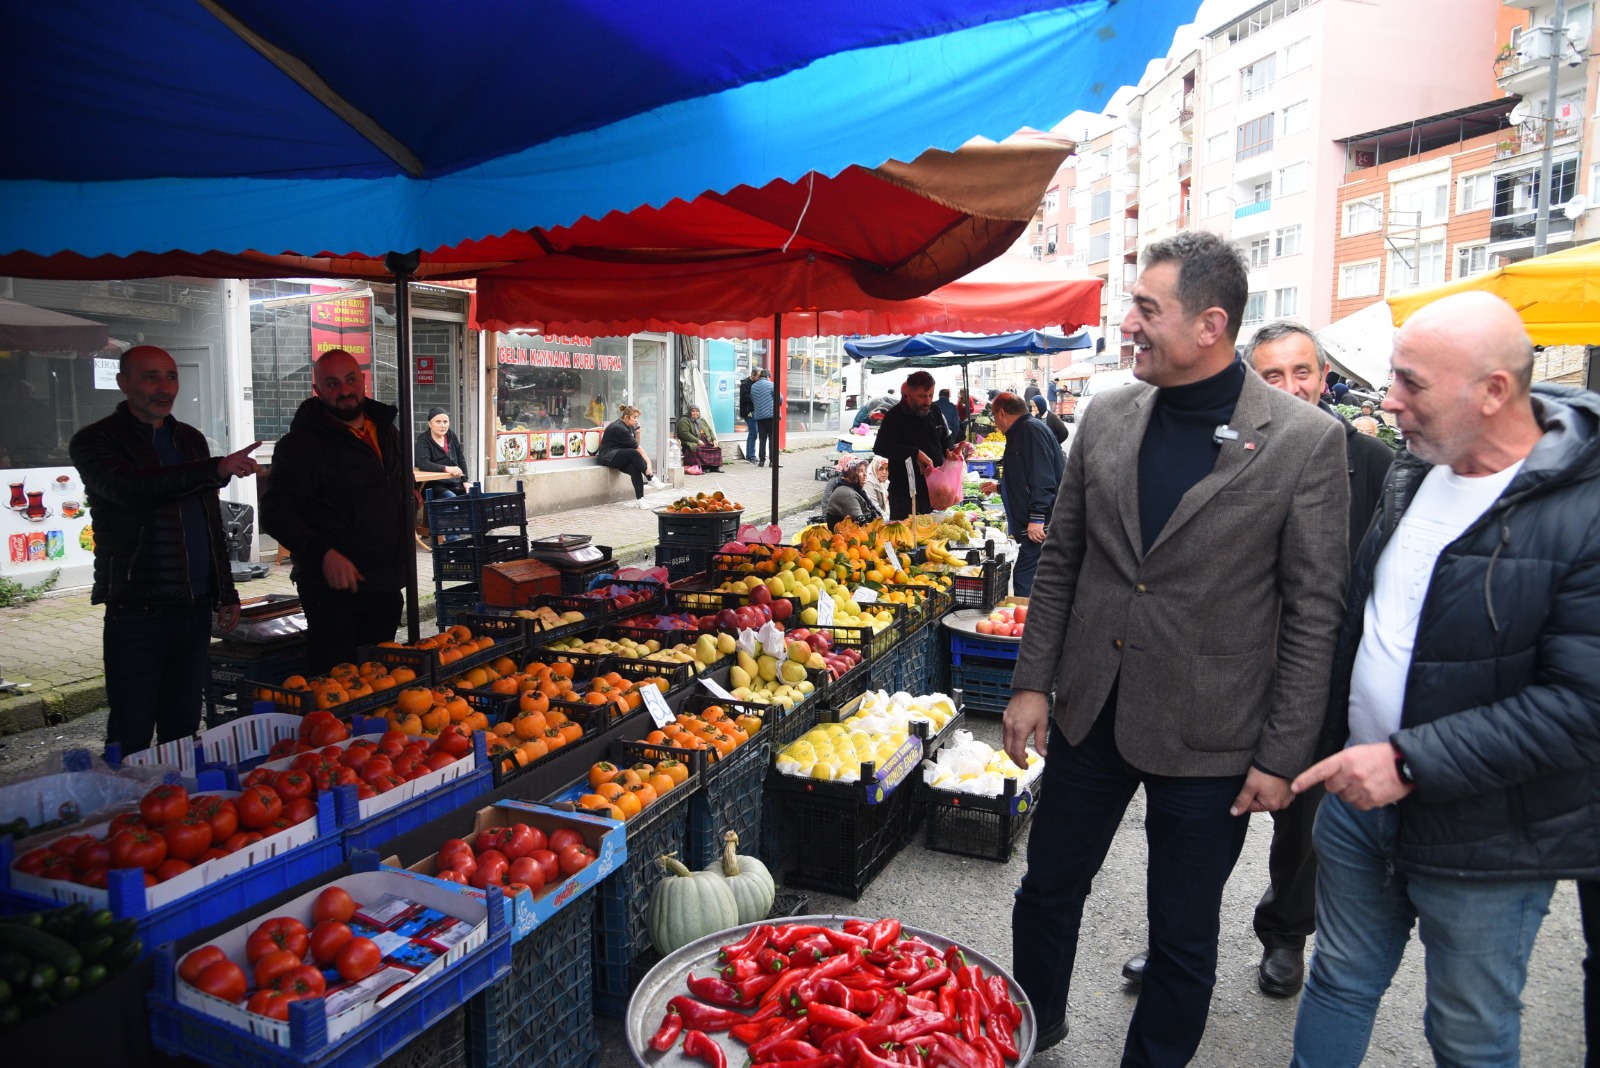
[425,371]
[343,324]
[105,373]
[45,523]
[509,356]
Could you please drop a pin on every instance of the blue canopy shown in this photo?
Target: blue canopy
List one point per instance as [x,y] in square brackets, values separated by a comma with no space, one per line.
[336,126]
[948,350]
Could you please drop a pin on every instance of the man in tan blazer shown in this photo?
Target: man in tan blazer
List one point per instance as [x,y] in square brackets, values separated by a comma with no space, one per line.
[1184,613]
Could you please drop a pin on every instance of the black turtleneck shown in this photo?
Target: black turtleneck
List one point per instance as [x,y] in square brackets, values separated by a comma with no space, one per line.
[1179,447]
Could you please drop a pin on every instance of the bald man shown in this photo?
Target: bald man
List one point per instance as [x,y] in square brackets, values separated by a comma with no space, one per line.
[1464,711]
[340,499]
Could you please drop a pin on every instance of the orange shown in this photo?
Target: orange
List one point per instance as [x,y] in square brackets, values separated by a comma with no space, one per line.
[591,800]
[533,702]
[504,684]
[296,682]
[630,777]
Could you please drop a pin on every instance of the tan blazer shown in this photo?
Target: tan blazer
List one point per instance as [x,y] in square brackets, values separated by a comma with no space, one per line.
[1220,638]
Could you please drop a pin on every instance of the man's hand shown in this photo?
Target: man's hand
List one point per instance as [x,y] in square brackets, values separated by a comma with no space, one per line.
[454,472]
[228,616]
[987,487]
[1036,533]
[239,464]
[924,464]
[1362,775]
[1027,715]
[1261,793]
[339,572]
[954,454]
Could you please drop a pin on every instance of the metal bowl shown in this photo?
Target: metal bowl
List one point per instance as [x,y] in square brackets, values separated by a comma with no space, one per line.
[669,978]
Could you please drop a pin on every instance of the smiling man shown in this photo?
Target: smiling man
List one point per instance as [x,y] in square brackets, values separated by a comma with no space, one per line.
[1184,615]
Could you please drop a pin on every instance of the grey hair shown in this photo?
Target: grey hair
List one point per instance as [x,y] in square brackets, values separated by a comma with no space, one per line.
[1279,329]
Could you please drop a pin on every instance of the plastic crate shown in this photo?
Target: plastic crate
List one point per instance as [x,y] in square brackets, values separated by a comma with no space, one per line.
[985,590]
[682,560]
[938,659]
[444,1045]
[984,468]
[967,649]
[850,685]
[575,578]
[541,1013]
[838,846]
[450,602]
[653,594]
[232,666]
[502,623]
[914,662]
[710,529]
[983,689]
[702,598]
[887,669]
[729,800]
[425,808]
[476,512]
[972,825]
[426,664]
[465,561]
[931,602]
[304,702]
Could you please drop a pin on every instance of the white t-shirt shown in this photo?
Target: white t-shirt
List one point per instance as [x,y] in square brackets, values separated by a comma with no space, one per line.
[1446,504]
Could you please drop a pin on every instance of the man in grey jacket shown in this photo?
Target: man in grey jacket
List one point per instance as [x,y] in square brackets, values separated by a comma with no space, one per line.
[1184,614]
[1464,711]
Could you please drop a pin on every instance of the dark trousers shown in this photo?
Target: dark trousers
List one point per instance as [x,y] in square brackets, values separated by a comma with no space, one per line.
[1193,845]
[900,507]
[1287,912]
[765,429]
[1025,566]
[155,658]
[1589,908]
[631,464]
[339,623]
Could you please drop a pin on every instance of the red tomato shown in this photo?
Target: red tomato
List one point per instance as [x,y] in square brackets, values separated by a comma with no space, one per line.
[574,858]
[359,958]
[363,791]
[95,877]
[164,803]
[327,939]
[214,853]
[93,854]
[281,748]
[491,870]
[453,877]
[324,729]
[238,841]
[123,822]
[334,903]
[273,1004]
[258,806]
[563,836]
[187,837]
[171,868]
[32,862]
[493,838]
[454,740]
[271,965]
[299,810]
[258,777]
[291,785]
[69,844]
[523,840]
[526,871]
[222,979]
[222,814]
[138,849]
[279,932]
[306,761]
[199,961]
[356,756]
[548,864]
[304,981]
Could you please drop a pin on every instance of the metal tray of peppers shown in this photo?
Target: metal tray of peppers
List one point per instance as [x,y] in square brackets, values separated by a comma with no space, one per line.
[829,992]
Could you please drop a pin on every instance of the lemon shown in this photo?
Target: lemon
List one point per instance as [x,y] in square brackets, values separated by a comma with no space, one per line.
[824,771]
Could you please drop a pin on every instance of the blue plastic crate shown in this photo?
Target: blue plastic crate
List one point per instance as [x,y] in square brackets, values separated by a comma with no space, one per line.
[984,468]
[444,1045]
[983,689]
[914,662]
[465,561]
[730,800]
[989,652]
[402,819]
[211,904]
[938,659]
[540,1014]
[887,669]
[179,1031]
[476,512]
[620,930]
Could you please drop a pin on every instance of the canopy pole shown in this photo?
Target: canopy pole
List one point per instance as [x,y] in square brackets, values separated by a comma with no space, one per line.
[779,360]
[404,266]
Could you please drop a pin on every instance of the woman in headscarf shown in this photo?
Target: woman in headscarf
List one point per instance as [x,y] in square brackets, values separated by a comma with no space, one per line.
[845,496]
[619,450]
[1050,419]
[439,450]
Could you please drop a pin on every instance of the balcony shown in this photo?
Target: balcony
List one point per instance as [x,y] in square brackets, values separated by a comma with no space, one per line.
[1185,168]
[1532,140]
[1186,114]
[1520,227]
[1526,71]
[1244,211]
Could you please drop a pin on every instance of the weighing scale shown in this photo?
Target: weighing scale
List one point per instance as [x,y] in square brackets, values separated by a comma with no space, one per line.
[567,551]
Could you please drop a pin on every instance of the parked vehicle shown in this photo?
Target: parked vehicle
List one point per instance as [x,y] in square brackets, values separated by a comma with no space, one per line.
[1098,383]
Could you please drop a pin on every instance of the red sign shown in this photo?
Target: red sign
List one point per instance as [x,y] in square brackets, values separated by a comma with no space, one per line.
[425,371]
[342,324]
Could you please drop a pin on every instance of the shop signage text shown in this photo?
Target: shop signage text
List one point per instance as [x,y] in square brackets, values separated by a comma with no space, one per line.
[508,355]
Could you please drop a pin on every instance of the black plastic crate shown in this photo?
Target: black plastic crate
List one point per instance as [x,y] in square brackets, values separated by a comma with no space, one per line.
[426,663]
[476,512]
[850,685]
[444,1045]
[464,561]
[451,602]
[914,662]
[938,659]
[652,592]
[541,1014]
[234,668]
[867,791]
[702,598]
[975,826]
[682,560]
[710,529]
[931,602]
[985,590]
[730,800]
[983,689]
[838,846]
[575,578]
[501,623]
[887,670]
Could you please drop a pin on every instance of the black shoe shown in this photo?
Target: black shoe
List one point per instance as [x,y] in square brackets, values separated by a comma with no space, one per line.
[1282,972]
[1133,967]
[761,463]
[1050,1036]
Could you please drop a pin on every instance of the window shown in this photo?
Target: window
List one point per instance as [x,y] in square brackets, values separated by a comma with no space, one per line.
[1517,194]
[1363,216]
[1292,179]
[1257,78]
[1255,308]
[1172,207]
[1358,280]
[1262,17]
[1219,90]
[1099,247]
[1052,201]
[1051,235]
[1075,199]
[1474,259]
[1254,138]
[1286,242]
[1260,249]
[1411,267]
[1297,117]
[1594,184]
[1286,302]
[1261,191]
[1475,192]
[1217,148]
[1421,201]
[1297,55]
[1217,201]
[1099,205]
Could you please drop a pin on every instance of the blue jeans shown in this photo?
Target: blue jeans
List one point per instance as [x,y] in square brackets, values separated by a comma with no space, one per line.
[1476,938]
[1026,565]
[752,429]
[1193,845]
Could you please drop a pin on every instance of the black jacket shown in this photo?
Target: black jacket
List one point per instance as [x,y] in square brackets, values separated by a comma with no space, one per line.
[1501,720]
[139,552]
[903,434]
[429,457]
[747,406]
[1369,461]
[1030,474]
[328,490]
[618,440]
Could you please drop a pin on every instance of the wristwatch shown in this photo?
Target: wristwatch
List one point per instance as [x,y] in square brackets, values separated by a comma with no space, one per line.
[1401,768]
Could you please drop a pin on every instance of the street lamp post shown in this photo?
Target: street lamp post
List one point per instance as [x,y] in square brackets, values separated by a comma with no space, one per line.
[1541,226]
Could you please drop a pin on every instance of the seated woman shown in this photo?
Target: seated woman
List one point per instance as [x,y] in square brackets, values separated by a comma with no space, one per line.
[846,497]
[619,450]
[439,450]
[698,438]
[1051,419]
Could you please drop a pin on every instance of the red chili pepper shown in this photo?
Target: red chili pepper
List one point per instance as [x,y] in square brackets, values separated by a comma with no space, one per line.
[904,970]
[771,960]
[884,957]
[703,1017]
[787,980]
[1003,1033]
[954,958]
[951,1051]
[990,1051]
[813,946]
[667,1034]
[717,991]
[883,933]
[872,1035]
[855,926]
[1000,1001]
[701,1046]
[751,1031]
[784,937]
[747,945]
[843,940]
[791,1030]
[967,1013]
[827,1060]
[833,1016]
[947,1000]
[929,980]
[741,969]
[835,992]
[793,1049]
[751,989]
[865,1058]
[892,1008]
[913,1027]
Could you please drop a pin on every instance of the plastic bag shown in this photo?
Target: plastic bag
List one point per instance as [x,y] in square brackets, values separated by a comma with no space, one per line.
[749,533]
[944,484]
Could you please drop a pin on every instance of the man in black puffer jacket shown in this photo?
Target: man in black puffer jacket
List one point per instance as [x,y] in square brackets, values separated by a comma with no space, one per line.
[1465,695]
[340,499]
[160,558]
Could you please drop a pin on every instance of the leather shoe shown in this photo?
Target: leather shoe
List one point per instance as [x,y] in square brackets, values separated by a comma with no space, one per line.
[1282,972]
[1050,1036]
[1133,967]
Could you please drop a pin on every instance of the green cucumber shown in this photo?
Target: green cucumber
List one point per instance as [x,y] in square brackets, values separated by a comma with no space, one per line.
[25,919]
[42,946]
[124,955]
[14,968]
[123,930]
[97,922]
[68,987]
[42,978]
[97,948]
[94,975]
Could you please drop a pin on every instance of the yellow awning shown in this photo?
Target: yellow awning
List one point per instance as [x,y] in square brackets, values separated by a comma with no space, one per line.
[1557,296]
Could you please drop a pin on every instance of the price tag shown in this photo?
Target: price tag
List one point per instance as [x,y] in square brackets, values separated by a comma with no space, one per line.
[825,609]
[656,702]
[894,559]
[716,689]
[862,595]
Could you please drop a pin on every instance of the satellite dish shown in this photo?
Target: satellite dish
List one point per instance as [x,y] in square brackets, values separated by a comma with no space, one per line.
[1575,207]
[1519,113]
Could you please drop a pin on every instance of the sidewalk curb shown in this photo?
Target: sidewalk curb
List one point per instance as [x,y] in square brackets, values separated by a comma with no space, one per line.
[51,707]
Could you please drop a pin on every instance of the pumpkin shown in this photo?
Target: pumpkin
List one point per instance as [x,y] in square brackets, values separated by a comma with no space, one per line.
[687,905]
[747,878]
